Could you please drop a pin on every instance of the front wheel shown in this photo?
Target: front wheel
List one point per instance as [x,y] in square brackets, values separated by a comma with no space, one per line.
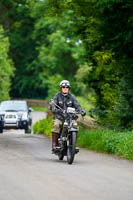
[71,147]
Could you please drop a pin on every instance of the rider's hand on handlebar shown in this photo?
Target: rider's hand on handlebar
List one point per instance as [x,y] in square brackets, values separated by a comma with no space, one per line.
[64,112]
[83,113]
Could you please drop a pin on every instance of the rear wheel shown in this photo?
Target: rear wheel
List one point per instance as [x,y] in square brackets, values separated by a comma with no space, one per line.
[71,148]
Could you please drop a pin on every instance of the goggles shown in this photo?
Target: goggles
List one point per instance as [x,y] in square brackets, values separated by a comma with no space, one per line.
[65,87]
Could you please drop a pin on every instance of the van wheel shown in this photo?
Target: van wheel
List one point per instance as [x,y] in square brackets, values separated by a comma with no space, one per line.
[1,130]
[28,130]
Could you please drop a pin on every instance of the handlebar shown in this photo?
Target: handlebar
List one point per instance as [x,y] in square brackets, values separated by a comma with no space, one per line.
[57,105]
[63,111]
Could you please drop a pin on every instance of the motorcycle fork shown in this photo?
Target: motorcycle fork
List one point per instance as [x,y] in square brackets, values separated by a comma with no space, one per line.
[69,139]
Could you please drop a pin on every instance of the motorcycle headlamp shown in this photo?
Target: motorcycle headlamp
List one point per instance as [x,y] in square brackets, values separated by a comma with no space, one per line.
[65,124]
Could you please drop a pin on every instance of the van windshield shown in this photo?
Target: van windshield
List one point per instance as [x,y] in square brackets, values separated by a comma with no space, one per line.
[13,106]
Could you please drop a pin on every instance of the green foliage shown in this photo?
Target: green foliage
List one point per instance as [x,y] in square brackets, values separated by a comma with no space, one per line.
[89,42]
[28,80]
[103,77]
[53,85]
[81,77]
[42,109]
[107,141]
[117,15]
[6,67]
[43,127]
[125,146]
[62,50]
[86,104]
[91,140]
[107,76]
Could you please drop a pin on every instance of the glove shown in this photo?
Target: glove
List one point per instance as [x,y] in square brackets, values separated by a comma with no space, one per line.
[60,111]
[64,112]
[83,113]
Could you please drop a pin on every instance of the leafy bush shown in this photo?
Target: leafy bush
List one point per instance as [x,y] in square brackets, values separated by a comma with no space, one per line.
[44,126]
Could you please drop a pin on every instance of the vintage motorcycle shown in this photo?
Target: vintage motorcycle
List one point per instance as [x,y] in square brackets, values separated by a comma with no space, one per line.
[68,135]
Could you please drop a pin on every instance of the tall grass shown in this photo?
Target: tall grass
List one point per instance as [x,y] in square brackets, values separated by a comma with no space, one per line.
[107,141]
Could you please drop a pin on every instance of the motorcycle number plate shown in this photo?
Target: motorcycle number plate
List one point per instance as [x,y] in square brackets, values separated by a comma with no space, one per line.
[70,110]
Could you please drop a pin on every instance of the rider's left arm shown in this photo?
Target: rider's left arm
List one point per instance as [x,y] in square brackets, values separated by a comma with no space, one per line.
[78,106]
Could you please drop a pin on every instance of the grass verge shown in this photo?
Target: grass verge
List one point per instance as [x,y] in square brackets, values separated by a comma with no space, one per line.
[41,109]
[107,141]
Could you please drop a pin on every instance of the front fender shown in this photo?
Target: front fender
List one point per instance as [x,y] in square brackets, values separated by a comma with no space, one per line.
[72,130]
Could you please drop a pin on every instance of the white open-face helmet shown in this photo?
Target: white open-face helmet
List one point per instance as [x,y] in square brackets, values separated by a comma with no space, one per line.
[64,83]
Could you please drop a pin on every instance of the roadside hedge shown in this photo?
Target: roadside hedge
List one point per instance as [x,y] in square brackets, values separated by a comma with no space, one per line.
[44,126]
[107,141]
[100,140]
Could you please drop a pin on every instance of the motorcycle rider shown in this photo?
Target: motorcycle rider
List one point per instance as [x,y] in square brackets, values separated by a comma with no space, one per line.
[63,99]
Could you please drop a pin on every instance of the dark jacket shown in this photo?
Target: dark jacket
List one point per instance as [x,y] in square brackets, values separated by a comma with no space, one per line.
[64,102]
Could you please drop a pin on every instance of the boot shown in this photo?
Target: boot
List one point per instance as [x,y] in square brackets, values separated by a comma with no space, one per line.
[54,141]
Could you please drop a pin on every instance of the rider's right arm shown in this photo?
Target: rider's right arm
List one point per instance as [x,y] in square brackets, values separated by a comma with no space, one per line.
[52,105]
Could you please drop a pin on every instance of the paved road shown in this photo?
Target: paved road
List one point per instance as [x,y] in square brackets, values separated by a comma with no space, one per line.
[28,171]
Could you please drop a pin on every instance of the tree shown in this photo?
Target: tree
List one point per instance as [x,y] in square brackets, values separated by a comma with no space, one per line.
[6,67]
[60,49]
[19,25]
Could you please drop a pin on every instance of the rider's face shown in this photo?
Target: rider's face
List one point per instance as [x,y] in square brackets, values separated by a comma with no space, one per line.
[65,89]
